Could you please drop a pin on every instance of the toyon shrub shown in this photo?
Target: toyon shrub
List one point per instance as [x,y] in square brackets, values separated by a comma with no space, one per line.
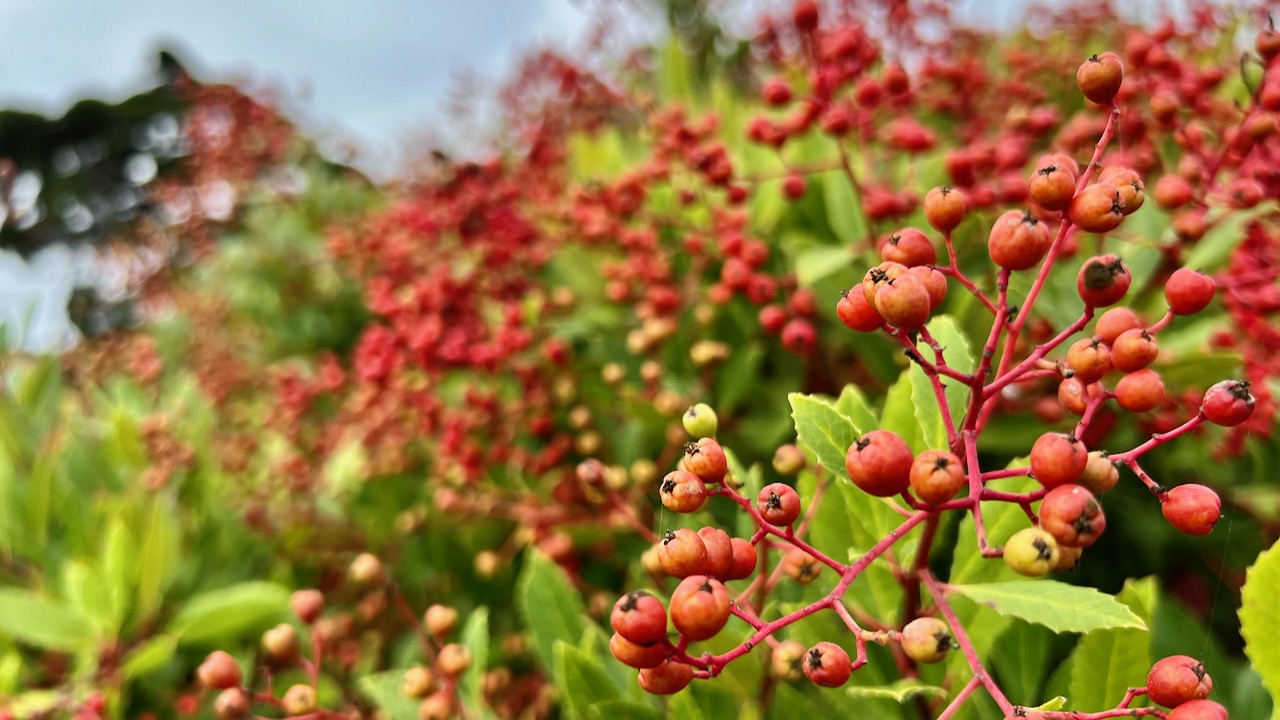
[837,367]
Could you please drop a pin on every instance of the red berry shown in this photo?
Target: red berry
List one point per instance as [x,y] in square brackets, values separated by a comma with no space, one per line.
[706,459]
[668,678]
[1193,509]
[1140,390]
[1073,396]
[1189,291]
[1176,680]
[682,553]
[909,247]
[682,491]
[776,92]
[772,318]
[827,665]
[719,552]
[903,302]
[1102,281]
[1058,459]
[699,607]
[637,656]
[744,560]
[935,283]
[799,337]
[945,208]
[1052,185]
[936,476]
[1072,515]
[1018,241]
[1173,191]
[1134,350]
[1114,322]
[805,15]
[1228,403]
[640,618]
[1129,184]
[1089,359]
[1100,77]
[801,566]
[307,605]
[219,671]
[880,463]
[857,313]
[879,276]
[793,187]
[779,504]
[1199,710]
[1097,209]
[1100,474]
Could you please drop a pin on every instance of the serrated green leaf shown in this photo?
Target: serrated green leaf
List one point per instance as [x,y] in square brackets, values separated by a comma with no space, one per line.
[1260,621]
[901,691]
[475,635]
[1058,606]
[1107,662]
[150,656]
[581,681]
[823,431]
[43,622]
[853,404]
[549,605]
[384,690]
[231,612]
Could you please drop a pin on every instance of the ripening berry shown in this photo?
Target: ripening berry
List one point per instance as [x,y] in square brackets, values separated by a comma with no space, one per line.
[454,659]
[682,491]
[1072,515]
[437,706]
[788,460]
[1102,281]
[1089,359]
[879,276]
[1191,225]
[307,605]
[926,640]
[801,566]
[298,699]
[805,15]
[1052,185]
[637,656]
[799,337]
[1018,241]
[1189,291]
[1178,679]
[281,644]
[1199,710]
[639,618]
[857,313]
[1097,209]
[1100,474]
[1068,558]
[719,552]
[1031,552]
[935,283]
[1194,509]
[787,660]
[681,553]
[417,682]
[945,208]
[896,81]
[1100,77]
[776,92]
[440,620]
[1114,322]
[779,504]
[743,564]
[1134,350]
[219,671]
[827,665]
[366,569]
[936,476]
[668,678]
[903,302]
[1073,396]
[699,607]
[700,421]
[706,459]
[1128,183]
[231,704]
[793,187]
[1172,192]
[1228,403]
[1140,391]
[909,247]
[1058,459]
[880,463]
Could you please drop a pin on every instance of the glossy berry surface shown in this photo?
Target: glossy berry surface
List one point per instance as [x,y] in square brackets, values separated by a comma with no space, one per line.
[1194,509]
[827,665]
[1178,679]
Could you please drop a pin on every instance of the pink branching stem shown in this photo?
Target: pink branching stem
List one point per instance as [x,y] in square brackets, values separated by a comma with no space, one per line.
[625,509]
[1159,439]
[975,493]
[941,361]
[1020,498]
[1102,715]
[966,646]
[1130,695]
[1008,376]
[785,534]
[954,271]
[1156,488]
[931,371]
[1162,323]
[852,177]
[954,706]
[988,352]
[859,635]
[1005,473]
[1090,412]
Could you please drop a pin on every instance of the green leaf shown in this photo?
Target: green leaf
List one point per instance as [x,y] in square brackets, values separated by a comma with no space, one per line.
[232,612]
[1058,606]
[1053,704]
[1201,370]
[844,212]
[901,691]
[822,430]
[475,635]
[682,705]
[946,331]
[1260,621]
[821,261]
[900,415]
[1212,250]
[623,710]
[549,605]
[853,404]
[150,656]
[581,681]
[159,555]
[384,690]
[43,622]
[1107,662]
[1021,660]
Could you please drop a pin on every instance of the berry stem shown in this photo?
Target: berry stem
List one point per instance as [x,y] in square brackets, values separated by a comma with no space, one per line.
[1018,372]
[962,638]
[1159,439]
[954,271]
[953,707]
